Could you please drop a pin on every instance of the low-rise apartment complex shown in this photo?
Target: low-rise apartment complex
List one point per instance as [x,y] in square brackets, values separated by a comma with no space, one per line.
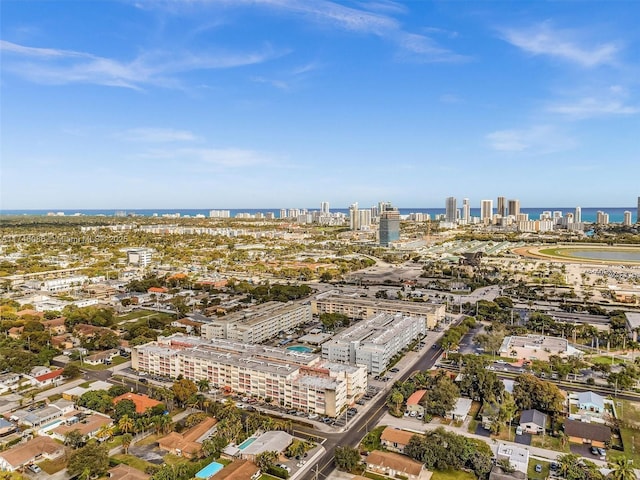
[359,308]
[302,381]
[257,324]
[375,341]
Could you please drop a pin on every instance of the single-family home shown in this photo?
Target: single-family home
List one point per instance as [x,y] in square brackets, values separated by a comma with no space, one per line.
[125,472]
[55,326]
[413,402]
[591,402]
[460,410]
[395,465]
[533,421]
[189,443]
[239,470]
[51,378]
[102,357]
[6,427]
[271,441]
[517,457]
[394,439]
[88,428]
[489,414]
[595,434]
[34,450]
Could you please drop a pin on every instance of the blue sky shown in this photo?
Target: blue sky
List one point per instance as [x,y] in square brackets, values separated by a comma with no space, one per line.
[286,103]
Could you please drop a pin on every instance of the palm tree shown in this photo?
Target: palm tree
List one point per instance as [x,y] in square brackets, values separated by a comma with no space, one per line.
[126,423]
[622,469]
[126,442]
[204,385]
[104,432]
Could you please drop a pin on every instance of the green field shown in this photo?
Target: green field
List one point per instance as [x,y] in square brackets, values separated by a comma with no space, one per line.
[452,475]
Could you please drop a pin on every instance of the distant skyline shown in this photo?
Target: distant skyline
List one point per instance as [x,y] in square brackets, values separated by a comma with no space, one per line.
[182,104]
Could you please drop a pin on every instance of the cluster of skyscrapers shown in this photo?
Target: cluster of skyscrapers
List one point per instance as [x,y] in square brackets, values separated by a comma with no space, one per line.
[386,215]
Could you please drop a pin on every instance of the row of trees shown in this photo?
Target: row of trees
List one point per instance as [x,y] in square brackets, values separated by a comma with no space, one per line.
[441,393]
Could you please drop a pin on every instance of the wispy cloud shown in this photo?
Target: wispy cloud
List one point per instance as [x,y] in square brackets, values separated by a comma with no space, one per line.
[541,139]
[612,102]
[450,98]
[219,157]
[568,45]
[156,135]
[54,66]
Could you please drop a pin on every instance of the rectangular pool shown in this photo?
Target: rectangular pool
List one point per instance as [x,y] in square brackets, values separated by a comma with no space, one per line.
[246,443]
[210,470]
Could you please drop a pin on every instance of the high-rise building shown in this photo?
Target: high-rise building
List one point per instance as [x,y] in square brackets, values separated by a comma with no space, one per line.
[627,218]
[466,211]
[354,217]
[502,207]
[514,207]
[486,211]
[451,209]
[577,217]
[389,226]
[638,212]
[383,206]
[602,218]
[283,213]
[364,219]
[324,208]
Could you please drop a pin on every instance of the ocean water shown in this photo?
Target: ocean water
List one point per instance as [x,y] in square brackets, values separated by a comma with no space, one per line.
[616,214]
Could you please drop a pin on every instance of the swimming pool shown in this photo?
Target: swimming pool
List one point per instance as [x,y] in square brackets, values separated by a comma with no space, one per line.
[210,470]
[300,348]
[246,443]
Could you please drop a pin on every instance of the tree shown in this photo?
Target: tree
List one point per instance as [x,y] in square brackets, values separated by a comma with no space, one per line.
[183,390]
[394,402]
[346,458]
[441,396]
[204,385]
[74,438]
[265,460]
[124,407]
[93,457]
[127,438]
[98,400]
[508,409]
[104,432]
[531,392]
[126,423]
[622,469]
[213,446]
[71,371]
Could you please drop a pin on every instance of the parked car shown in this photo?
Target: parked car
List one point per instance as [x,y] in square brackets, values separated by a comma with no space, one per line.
[594,451]
[538,468]
[35,468]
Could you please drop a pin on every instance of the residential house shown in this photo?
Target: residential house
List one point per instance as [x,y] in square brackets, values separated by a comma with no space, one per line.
[595,434]
[102,357]
[9,381]
[413,402]
[76,392]
[55,326]
[533,421]
[489,413]
[394,439]
[460,410]
[15,332]
[88,427]
[395,465]
[189,443]
[125,472]
[6,427]
[271,441]
[89,331]
[517,457]
[142,402]
[591,402]
[34,450]
[51,378]
[239,470]
[36,418]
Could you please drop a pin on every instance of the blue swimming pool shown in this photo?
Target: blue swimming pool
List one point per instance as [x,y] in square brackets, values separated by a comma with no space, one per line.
[300,348]
[210,470]
[246,443]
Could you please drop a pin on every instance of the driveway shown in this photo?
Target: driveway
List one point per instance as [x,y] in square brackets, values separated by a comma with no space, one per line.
[150,453]
[583,450]
[524,439]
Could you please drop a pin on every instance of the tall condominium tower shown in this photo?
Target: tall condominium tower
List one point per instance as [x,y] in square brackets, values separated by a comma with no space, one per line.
[466,211]
[451,209]
[354,217]
[486,210]
[577,217]
[389,226]
[383,206]
[627,218]
[324,208]
[283,213]
[514,207]
[638,212]
[502,207]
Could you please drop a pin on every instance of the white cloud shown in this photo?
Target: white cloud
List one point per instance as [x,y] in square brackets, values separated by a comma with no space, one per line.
[53,66]
[542,39]
[218,157]
[590,107]
[157,135]
[541,139]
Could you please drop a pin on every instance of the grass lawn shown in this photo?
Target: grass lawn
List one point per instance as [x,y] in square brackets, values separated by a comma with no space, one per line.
[53,466]
[132,461]
[531,471]
[151,439]
[603,359]
[452,475]
[114,442]
[118,360]
[508,434]
[375,476]
[135,314]
[171,459]
[550,443]
[266,476]
[631,442]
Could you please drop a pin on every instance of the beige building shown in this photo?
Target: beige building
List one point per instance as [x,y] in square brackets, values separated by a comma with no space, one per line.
[257,324]
[536,347]
[294,379]
[35,450]
[361,308]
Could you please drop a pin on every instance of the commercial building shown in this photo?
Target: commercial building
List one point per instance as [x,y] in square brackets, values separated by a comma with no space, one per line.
[139,256]
[294,379]
[536,347]
[374,342]
[359,308]
[389,226]
[257,324]
[55,285]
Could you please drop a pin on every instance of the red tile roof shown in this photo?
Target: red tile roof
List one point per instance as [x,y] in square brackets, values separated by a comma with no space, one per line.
[49,376]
